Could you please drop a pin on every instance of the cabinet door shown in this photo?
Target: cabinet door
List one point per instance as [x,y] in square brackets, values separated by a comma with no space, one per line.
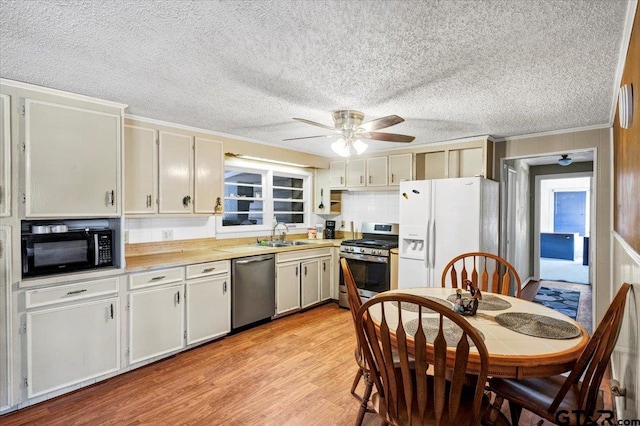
[287,287]
[310,282]
[400,168]
[80,148]
[466,162]
[156,322]
[176,173]
[377,171]
[326,278]
[209,172]
[5,346]
[141,170]
[208,308]
[71,344]
[337,172]
[356,172]
[5,157]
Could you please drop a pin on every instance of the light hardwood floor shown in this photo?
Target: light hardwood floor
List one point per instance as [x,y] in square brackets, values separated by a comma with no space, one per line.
[295,370]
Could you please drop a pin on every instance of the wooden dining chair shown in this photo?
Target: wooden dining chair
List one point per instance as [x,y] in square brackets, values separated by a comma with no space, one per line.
[399,361]
[487,271]
[363,371]
[547,397]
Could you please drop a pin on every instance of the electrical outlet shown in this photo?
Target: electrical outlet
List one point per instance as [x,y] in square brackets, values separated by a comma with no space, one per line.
[167,235]
[342,224]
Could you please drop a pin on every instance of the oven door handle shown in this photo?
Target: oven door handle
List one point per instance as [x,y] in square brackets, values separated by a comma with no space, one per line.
[365,257]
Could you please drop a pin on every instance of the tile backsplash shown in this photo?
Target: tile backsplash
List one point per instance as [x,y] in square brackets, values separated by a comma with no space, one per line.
[357,206]
[369,206]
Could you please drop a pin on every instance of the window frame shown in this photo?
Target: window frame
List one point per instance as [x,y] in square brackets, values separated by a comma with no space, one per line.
[268,171]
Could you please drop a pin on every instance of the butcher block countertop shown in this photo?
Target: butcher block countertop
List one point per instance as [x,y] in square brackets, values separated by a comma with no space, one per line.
[141,257]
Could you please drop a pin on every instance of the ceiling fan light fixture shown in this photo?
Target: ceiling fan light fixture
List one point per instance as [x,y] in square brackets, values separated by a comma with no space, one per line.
[565,160]
[359,146]
[341,147]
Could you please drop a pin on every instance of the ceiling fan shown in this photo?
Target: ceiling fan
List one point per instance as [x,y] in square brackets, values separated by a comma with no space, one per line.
[348,123]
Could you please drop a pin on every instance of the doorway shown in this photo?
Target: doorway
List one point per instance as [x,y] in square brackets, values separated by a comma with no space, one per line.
[563,227]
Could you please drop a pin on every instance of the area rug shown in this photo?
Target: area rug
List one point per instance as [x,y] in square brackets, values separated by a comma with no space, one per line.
[565,301]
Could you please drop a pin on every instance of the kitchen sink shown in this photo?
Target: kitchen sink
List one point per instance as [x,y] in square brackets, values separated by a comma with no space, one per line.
[282,243]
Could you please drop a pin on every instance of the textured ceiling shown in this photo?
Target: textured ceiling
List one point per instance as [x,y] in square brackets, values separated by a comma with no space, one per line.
[451,69]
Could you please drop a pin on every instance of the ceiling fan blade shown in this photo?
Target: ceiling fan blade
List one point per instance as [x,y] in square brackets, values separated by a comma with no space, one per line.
[390,137]
[381,123]
[309,137]
[313,123]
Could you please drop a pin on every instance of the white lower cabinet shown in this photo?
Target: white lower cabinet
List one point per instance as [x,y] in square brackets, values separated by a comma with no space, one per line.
[326,275]
[310,282]
[208,301]
[303,278]
[156,322]
[287,287]
[70,344]
[5,329]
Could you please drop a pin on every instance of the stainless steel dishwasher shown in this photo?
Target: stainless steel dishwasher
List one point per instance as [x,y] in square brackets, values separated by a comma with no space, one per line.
[253,289]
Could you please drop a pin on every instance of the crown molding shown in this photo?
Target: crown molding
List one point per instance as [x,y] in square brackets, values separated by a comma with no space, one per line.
[553,132]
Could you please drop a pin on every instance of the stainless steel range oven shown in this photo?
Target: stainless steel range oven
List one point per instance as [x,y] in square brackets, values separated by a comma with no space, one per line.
[369,260]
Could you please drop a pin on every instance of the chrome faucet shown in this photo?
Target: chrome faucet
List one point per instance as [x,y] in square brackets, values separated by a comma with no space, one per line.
[283,234]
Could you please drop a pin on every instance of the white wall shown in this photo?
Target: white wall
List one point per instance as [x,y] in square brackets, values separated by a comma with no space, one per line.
[147,230]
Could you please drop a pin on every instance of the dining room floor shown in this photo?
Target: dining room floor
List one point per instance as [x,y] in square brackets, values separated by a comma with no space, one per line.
[295,370]
[585,307]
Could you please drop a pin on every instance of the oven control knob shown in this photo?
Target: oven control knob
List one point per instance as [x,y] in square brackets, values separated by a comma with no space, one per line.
[375,252]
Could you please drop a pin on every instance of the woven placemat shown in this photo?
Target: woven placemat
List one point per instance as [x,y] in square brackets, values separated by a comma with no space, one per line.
[412,307]
[538,325]
[488,302]
[430,326]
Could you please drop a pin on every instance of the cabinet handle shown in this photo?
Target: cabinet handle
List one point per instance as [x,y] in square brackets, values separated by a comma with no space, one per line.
[369,178]
[361,179]
[341,180]
[149,200]
[111,309]
[224,288]
[158,278]
[204,271]
[186,200]
[76,292]
[305,271]
[178,297]
[324,266]
[113,197]
[393,178]
[296,271]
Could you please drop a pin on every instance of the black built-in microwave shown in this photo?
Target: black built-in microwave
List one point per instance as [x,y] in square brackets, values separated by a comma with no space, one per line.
[59,253]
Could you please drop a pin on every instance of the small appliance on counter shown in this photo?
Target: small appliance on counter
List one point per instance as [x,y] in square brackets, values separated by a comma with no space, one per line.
[330,229]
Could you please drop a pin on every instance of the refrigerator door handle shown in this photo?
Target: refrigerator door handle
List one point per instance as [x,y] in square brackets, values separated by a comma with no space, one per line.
[427,245]
[432,242]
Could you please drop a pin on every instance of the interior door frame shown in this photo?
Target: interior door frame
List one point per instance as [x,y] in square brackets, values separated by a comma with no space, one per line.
[536,221]
[508,182]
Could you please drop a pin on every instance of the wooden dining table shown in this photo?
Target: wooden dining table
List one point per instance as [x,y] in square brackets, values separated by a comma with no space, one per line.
[512,354]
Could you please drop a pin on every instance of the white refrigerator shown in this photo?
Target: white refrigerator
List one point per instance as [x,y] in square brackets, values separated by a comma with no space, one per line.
[440,219]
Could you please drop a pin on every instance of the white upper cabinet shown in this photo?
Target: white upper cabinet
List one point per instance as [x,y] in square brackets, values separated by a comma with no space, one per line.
[172,172]
[377,171]
[208,181]
[140,170]
[400,168]
[337,174]
[72,161]
[5,155]
[356,173]
[176,173]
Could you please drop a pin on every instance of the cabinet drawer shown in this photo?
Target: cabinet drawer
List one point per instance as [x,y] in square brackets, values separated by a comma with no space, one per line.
[205,269]
[67,293]
[303,254]
[157,277]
